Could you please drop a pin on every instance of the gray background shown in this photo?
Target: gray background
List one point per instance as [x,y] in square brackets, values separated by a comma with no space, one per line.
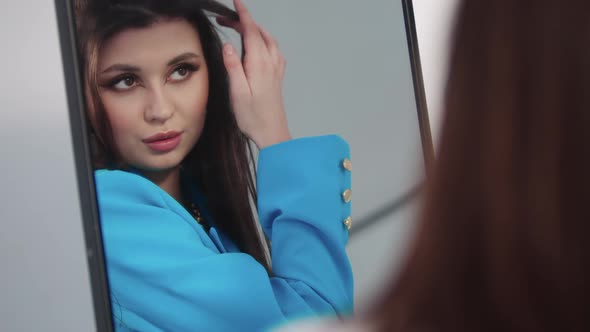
[348,73]
[44,280]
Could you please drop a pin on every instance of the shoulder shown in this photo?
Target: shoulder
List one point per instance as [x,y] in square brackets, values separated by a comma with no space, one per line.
[121,187]
[124,198]
[121,180]
[132,208]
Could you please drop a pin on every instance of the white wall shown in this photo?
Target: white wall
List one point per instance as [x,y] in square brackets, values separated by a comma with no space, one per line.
[434,19]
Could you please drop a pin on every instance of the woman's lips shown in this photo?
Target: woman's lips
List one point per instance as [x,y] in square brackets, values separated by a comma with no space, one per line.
[163,142]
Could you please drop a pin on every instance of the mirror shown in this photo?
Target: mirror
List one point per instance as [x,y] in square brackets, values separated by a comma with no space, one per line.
[172,240]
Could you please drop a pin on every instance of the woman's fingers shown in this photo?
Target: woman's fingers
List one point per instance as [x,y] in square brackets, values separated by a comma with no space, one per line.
[256,84]
[253,41]
[270,42]
[276,57]
[238,82]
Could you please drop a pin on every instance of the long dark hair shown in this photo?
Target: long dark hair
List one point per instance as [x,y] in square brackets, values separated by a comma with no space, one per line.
[221,162]
[502,243]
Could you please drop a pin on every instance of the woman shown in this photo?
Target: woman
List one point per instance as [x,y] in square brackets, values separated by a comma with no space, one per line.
[172,110]
[503,239]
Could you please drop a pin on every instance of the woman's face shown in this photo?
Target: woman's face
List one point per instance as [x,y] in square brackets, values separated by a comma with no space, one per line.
[154,85]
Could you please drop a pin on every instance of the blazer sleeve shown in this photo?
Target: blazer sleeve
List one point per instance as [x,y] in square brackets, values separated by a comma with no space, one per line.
[164,278]
[302,211]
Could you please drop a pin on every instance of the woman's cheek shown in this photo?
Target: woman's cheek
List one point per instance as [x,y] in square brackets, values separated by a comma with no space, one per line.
[123,112]
[199,101]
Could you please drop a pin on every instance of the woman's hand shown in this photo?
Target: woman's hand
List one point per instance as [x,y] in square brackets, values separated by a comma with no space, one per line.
[256,85]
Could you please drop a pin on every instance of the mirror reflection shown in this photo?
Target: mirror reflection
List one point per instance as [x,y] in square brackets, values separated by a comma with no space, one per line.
[224,176]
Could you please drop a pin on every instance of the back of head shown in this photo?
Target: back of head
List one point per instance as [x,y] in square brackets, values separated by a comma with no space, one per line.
[502,241]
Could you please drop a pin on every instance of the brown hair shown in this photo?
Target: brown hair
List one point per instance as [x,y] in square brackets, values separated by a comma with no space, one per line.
[502,241]
[221,161]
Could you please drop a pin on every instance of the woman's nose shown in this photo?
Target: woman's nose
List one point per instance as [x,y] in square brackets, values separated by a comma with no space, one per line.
[159,107]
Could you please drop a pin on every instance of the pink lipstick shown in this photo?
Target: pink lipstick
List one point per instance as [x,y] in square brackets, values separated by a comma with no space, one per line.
[163,142]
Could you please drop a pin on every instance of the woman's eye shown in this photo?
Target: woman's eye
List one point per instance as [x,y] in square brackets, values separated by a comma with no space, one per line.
[125,83]
[181,73]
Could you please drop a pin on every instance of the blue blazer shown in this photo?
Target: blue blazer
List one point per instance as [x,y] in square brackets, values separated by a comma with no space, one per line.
[167,273]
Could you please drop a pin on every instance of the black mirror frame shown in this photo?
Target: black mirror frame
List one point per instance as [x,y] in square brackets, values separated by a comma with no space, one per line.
[423,119]
[84,172]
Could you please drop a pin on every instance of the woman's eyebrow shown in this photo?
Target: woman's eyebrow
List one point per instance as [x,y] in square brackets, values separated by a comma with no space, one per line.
[121,67]
[182,57]
[133,69]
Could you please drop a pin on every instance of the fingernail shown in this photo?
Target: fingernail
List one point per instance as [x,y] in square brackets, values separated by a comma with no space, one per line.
[228,49]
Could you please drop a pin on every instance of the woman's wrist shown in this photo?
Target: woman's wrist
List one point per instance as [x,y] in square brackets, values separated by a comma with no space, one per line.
[273,139]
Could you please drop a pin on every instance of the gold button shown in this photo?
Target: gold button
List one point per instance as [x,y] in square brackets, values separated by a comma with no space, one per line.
[347,164]
[348,222]
[347,195]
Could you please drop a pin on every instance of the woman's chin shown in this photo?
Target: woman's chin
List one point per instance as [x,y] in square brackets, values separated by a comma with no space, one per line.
[159,166]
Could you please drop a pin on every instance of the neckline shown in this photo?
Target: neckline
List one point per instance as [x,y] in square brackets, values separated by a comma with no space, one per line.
[190,193]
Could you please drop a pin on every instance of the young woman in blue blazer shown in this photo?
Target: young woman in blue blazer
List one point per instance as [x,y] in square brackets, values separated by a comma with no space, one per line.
[172,112]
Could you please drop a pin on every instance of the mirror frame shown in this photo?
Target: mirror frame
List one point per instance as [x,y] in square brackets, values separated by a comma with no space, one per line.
[420,93]
[83,162]
[82,155]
